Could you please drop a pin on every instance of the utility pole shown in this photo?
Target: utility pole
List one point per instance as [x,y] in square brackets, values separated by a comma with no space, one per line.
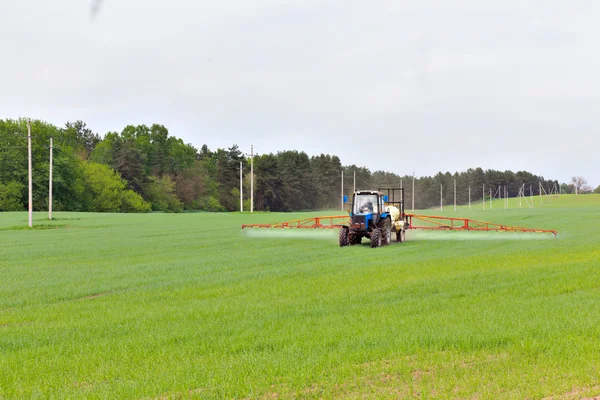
[531,194]
[402,190]
[241,189]
[483,197]
[490,198]
[413,192]
[50,188]
[521,198]
[342,189]
[30,173]
[251,178]
[455,195]
[469,197]
[441,198]
[354,185]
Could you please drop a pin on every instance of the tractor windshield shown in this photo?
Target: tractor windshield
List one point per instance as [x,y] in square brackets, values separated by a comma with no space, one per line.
[365,204]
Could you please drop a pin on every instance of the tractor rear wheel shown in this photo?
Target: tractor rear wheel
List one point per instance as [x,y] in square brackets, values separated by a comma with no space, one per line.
[400,235]
[343,236]
[376,237]
[386,232]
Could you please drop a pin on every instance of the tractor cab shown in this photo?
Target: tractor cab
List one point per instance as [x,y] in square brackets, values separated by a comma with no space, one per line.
[366,203]
[367,207]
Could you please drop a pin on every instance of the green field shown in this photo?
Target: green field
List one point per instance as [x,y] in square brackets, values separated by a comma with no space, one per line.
[188,306]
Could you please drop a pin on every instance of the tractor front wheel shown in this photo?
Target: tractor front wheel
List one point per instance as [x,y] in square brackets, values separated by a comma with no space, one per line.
[376,237]
[344,237]
[355,238]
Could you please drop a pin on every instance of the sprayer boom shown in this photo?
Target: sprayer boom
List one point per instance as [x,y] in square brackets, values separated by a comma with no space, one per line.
[415,221]
[331,222]
[431,222]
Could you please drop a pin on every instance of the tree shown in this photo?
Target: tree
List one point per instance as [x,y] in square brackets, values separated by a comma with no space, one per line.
[325,171]
[160,191]
[383,179]
[13,152]
[364,179]
[93,175]
[128,161]
[180,155]
[268,190]
[192,184]
[223,167]
[67,182]
[133,202]
[10,196]
[104,191]
[580,185]
[597,189]
[158,158]
[103,188]
[204,152]
[298,188]
[78,136]
[102,153]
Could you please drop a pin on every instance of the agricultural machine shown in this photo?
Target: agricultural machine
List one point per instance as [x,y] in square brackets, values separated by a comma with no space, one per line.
[376,215]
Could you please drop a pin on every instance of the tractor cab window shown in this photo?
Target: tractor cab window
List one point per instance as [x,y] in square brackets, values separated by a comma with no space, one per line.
[365,204]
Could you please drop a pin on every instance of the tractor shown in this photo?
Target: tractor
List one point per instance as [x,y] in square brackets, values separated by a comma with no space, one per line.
[375,216]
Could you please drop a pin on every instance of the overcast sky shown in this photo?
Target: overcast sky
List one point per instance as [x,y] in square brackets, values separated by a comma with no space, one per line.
[401,86]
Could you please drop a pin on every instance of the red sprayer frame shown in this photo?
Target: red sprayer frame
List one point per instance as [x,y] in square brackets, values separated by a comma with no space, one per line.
[465,224]
[431,222]
[331,222]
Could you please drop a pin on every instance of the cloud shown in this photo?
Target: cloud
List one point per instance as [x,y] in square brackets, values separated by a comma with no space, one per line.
[443,85]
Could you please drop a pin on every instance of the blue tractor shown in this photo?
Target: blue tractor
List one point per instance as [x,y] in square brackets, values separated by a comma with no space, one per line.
[375,216]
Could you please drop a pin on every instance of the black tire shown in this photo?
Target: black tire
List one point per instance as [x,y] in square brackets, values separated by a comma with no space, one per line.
[400,236]
[355,239]
[343,237]
[386,232]
[376,237]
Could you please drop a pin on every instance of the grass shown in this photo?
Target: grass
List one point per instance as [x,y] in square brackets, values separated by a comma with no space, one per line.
[187,306]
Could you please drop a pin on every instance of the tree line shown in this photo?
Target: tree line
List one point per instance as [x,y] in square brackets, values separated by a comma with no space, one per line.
[143,168]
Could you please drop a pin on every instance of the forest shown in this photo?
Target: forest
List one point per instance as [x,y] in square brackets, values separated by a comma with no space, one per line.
[144,168]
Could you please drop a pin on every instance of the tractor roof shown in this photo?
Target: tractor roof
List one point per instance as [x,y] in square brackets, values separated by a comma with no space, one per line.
[367,192]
